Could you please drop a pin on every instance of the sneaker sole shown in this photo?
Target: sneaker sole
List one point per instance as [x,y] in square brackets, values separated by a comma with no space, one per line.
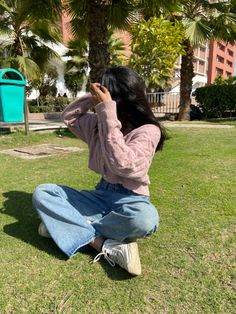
[134,267]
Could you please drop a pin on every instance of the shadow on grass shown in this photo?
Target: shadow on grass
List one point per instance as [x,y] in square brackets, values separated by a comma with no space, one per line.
[18,204]
[64,132]
[115,273]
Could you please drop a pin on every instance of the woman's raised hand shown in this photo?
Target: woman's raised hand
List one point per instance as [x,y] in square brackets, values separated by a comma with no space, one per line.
[99,93]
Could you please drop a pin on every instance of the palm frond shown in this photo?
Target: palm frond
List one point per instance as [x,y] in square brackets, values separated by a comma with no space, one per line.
[196,31]
[28,67]
[38,52]
[46,31]
[5,31]
[76,9]
[4,6]
[77,47]
[116,50]
[152,8]
[123,14]
[80,63]
[79,28]
[50,10]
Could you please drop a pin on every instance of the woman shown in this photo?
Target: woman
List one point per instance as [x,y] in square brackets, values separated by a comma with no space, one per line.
[123,136]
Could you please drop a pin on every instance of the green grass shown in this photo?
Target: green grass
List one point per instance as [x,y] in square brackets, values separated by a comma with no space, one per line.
[188,265]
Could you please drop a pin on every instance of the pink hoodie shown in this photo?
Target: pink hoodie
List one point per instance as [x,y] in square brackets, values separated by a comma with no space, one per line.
[118,158]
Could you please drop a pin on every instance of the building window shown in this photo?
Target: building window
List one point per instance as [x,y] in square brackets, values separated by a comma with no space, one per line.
[229,63]
[203,49]
[230,52]
[202,52]
[228,74]
[220,46]
[201,67]
[220,59]
[219,71]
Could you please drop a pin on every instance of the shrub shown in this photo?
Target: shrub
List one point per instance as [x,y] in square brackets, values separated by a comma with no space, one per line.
[47,104]
[217,101]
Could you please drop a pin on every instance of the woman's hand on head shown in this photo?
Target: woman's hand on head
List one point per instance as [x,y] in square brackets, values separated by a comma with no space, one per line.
[99,93]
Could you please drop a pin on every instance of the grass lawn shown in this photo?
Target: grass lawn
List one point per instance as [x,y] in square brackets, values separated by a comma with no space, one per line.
[188,265]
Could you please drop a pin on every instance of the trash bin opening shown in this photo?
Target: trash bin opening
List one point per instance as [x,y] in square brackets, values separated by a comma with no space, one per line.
[12,76]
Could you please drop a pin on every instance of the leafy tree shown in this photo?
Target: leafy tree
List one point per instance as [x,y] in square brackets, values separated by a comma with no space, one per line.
[47,83]
[91,20]
[156,45]
[116,51]
[27,26]
[219,80]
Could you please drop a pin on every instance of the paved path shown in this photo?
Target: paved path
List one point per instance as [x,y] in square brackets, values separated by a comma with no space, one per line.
[42,125]
[46,125]
[170,124]
[34,125]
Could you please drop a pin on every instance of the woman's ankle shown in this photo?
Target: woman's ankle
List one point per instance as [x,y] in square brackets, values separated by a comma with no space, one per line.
[97,243]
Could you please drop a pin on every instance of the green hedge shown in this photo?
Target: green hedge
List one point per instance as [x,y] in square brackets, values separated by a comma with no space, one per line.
[48,104]
[217,101]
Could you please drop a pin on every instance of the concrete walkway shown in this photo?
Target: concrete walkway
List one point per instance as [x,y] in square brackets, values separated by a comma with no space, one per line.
[54,124]
[34,125]
[46,125]
[175,124]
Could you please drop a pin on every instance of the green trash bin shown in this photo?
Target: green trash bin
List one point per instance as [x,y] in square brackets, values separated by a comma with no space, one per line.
[12,95]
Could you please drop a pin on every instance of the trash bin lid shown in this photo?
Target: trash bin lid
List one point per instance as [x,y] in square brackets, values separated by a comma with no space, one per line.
[11,76]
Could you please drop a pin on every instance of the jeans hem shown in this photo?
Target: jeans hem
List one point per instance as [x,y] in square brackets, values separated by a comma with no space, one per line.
[74,251]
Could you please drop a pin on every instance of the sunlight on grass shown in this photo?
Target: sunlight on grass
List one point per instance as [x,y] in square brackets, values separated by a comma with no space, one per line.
[187,265]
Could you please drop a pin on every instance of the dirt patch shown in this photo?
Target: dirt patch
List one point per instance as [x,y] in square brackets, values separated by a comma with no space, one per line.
[40,151]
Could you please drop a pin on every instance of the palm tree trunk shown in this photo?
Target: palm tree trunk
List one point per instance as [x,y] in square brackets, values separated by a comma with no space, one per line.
[98,37]
[17,49]
[186,81]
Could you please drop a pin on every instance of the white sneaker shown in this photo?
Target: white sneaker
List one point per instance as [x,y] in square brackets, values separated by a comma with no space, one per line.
[43,231]
[126,255]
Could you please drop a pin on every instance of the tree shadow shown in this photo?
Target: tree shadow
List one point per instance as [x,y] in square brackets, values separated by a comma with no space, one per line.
[18,204]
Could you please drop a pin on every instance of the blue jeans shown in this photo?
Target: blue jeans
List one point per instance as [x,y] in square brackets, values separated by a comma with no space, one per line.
[76,217]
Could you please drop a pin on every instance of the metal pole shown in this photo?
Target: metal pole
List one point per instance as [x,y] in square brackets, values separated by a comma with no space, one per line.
[26,115]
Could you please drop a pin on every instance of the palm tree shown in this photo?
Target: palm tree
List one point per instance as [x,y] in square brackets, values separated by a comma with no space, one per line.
[202,20]
[77,67]
[27,27]
[91,19]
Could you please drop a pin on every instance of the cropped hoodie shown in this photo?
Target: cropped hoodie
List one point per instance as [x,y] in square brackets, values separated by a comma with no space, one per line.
[123,159]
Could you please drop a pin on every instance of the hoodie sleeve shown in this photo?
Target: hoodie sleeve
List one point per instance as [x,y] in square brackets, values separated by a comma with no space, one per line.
[81,122]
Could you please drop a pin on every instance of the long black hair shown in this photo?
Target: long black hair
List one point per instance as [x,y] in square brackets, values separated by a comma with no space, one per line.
[128,89]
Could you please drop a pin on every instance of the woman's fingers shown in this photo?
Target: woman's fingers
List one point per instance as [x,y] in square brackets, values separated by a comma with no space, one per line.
[104,89]
[95,87]
[100,92]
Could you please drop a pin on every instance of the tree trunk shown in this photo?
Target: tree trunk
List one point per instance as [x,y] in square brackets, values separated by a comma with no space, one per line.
[186,82]
[17,49]
[98,37]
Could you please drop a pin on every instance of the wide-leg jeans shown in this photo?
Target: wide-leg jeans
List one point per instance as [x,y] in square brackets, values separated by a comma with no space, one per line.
[74,218]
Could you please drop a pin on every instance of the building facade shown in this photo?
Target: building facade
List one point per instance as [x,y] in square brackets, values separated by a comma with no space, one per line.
[221,60]
[210,60]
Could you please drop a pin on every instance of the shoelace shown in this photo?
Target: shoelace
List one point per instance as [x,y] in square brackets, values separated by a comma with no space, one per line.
[106,256]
